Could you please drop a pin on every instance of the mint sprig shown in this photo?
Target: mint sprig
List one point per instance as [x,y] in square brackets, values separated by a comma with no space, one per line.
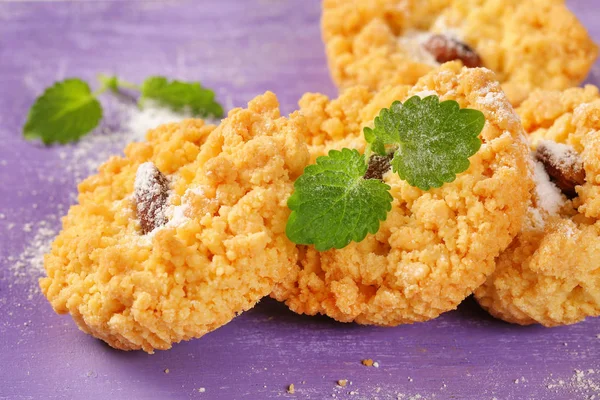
[69,110]
[65,112]
[181,96]
[337,201]
[333,204]
[431,141]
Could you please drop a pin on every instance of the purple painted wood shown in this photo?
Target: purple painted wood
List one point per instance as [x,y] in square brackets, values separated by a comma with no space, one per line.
[242,48]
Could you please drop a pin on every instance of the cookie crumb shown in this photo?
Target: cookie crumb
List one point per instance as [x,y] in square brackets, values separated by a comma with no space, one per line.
[342,382]
[376,364]
[201,390]
[167,370]
[367,362]
[291,389]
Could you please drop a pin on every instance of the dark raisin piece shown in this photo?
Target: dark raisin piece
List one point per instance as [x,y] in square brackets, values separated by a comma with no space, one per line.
[563,164]
[151,193]
[378,166]
[446,49]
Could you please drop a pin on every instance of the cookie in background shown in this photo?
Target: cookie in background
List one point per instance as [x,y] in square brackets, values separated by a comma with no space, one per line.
[529,44]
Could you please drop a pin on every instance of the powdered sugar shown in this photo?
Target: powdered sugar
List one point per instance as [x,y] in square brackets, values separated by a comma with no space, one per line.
[582,382]
[549,197]
[492,98]
[412,42]
[177,215]
[151,193]
[562,155]
[86,155]
[27,266]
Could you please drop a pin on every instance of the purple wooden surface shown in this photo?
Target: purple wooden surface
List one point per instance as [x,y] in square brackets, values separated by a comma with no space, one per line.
[242,48]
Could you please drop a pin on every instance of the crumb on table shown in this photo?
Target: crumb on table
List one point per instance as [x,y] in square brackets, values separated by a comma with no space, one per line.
[367,362]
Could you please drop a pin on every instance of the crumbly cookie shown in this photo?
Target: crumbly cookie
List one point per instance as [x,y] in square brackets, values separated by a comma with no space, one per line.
[435,247]
[528,43]
[550,274]
[183,233]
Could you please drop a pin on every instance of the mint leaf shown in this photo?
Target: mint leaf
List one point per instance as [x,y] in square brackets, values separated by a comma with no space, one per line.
[431,141]
[180,96]
[64,113]
[333,204]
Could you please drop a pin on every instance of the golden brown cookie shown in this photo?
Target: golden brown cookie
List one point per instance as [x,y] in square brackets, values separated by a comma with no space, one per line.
[435,247]
[528,43]
[550,274]
[184,232]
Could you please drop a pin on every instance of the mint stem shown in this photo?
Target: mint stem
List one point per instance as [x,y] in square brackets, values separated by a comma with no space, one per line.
[99,91]
[114,84]
[378,166]
[128,85]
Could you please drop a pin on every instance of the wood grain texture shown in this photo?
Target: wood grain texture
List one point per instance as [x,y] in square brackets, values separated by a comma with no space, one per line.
[242,48]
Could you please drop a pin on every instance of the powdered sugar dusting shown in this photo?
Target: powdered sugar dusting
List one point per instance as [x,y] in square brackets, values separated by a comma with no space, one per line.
[582,383]
[412,42]
[549,196]
[151,193]
[30,262]
[562,155]
[177,215]
[86,155]
[493,99]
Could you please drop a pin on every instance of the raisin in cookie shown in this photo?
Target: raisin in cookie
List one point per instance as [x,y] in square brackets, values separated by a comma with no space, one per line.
[528,43]
[550,274]
[435,247]
[183,233]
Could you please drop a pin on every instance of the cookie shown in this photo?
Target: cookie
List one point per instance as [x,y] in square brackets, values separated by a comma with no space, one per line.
[435,247]
[528,43]
[183,233]
[550,274]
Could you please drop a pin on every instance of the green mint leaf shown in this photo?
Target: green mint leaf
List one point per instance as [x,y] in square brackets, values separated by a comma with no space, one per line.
[431,141]
[333,204]
[64,113]
[181,96]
